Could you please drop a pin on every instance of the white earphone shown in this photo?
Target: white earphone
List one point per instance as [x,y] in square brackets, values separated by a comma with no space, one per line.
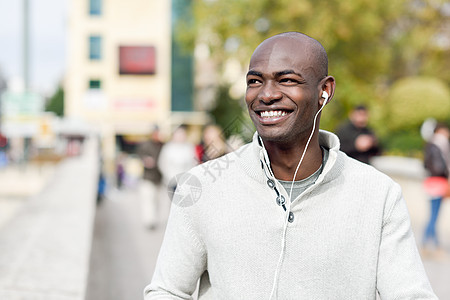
[283,241]
[325,96]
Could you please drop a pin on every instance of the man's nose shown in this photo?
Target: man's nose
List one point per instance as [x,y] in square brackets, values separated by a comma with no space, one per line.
[270,93]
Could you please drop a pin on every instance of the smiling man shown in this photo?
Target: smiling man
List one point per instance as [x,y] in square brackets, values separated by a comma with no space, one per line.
[288,216]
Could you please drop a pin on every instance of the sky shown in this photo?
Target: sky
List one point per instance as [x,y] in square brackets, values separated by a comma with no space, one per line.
[48,24]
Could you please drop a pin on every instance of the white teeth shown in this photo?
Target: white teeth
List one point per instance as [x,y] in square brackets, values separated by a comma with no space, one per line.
[273,113]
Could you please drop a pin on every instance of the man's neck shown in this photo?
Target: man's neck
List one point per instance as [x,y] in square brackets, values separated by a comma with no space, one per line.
[284,160]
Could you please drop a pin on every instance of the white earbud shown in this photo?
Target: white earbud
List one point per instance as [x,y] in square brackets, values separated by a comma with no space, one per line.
[325,96]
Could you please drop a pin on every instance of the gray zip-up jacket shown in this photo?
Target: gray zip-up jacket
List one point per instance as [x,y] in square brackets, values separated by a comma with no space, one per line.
[349,235]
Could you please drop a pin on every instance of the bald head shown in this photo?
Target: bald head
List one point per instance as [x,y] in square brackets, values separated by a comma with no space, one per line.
[310,48]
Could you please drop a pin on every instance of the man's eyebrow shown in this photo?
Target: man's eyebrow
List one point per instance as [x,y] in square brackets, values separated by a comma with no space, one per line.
[255,73]
[287,72]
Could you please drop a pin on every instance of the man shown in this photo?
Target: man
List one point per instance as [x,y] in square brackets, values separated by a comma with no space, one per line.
[148,152]
[344,232]
[357,139]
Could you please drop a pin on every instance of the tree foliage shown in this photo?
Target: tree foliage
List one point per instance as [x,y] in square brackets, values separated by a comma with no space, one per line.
[56,102]
[412,100]
[371,44]
[230,114]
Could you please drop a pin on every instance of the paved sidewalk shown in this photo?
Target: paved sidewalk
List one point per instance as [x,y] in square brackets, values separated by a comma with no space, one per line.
[45,243]
[124,252]
[18,183]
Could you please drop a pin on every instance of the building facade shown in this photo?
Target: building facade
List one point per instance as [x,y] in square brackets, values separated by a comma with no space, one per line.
[118,75]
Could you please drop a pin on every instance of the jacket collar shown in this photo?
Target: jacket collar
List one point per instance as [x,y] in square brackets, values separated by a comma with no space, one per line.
[256,157]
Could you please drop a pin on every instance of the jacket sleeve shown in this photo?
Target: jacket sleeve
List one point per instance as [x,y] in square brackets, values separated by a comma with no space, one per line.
[400,273]
[181,260]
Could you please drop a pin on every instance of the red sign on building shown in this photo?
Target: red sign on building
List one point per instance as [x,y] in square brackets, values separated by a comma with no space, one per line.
[137,60]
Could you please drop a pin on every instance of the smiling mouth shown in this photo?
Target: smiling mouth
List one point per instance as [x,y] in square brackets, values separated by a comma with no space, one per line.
[269,114]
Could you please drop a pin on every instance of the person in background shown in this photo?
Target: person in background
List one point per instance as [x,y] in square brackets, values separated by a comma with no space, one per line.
[212,144]
[149,152]
[3,150]
[357,139]
[177,156]
[101,183]
[437,163]
[120,169]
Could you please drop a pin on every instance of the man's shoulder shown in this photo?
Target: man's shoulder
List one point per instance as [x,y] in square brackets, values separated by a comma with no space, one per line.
[222,165]
[363,179]
[358,168]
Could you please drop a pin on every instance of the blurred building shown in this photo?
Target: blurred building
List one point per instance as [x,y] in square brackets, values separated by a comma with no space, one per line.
[119,69]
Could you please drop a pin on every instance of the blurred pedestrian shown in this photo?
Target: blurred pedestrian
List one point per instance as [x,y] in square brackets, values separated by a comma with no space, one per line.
[101,183]
[177,156]
[357,139]
[288,216]
[3,150]
[120,169]
[437,163]
[149,185]
[212,144]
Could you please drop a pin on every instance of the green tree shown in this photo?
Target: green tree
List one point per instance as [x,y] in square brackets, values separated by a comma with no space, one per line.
[414,99]
[408,104]
[56,102]
[371,44]
[230,114]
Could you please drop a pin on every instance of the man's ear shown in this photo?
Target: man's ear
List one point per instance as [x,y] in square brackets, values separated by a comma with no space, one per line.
[328,85]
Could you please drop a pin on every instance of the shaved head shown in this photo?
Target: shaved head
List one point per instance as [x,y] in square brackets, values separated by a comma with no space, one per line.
[311,48]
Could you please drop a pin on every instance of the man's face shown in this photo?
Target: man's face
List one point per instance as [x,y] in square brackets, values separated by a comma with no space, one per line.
[282,90]
[360,118]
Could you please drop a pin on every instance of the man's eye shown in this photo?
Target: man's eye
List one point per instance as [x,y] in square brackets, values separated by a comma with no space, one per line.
[289,80]
[252,81]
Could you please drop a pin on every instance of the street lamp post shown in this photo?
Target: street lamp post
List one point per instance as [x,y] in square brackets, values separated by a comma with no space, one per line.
[26,45]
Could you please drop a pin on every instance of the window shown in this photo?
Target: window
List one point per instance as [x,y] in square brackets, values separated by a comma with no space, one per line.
[94,97]
[95,84]
[95,47]
[95,7]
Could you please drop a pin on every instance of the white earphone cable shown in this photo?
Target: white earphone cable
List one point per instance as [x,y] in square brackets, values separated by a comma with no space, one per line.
[306,147]
[288,210]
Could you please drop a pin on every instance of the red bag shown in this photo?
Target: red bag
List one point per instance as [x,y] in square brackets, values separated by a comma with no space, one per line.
[437,186]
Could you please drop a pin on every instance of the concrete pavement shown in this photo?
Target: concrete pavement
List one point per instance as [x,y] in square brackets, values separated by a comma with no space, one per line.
[45,241]
[124,252]
[18,183]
